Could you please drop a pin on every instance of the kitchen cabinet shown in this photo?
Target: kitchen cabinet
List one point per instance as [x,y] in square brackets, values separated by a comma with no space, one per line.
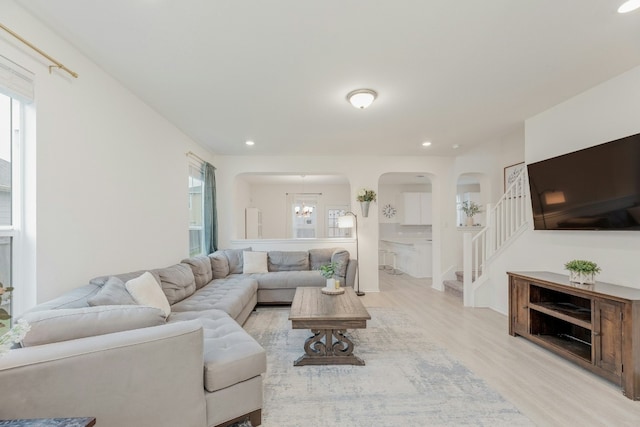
[417,208]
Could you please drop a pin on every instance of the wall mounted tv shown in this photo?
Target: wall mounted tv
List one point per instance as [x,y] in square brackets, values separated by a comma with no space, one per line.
[597,188]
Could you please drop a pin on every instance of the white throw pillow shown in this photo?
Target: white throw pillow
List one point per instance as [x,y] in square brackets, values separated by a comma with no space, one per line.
[145,290]
[254,262]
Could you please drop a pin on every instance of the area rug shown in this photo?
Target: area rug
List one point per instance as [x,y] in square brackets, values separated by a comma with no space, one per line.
[408,380]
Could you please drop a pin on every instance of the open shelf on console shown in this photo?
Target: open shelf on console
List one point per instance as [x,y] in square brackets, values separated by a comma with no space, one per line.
[565,335]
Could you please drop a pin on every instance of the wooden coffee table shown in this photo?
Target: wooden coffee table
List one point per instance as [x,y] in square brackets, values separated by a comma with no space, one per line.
[328,317]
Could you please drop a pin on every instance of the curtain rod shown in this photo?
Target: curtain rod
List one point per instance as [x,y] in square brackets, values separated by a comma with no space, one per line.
[58,64]
[195,156]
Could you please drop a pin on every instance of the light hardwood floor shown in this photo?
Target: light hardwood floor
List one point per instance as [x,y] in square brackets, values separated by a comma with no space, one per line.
[548,389]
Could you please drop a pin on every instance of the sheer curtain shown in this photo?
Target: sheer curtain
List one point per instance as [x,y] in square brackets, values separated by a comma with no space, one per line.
[210,210]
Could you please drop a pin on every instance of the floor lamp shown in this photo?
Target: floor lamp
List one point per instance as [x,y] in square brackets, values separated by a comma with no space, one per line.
[347,221]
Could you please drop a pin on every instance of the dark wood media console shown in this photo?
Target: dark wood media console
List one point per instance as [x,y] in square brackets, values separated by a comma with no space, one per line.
[596,326]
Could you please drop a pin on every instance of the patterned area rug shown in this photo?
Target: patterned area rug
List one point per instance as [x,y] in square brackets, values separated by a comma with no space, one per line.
[407,380]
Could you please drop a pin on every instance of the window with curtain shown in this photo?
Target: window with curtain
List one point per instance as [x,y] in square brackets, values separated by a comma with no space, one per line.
[16,90]
[196,207]
[203,218]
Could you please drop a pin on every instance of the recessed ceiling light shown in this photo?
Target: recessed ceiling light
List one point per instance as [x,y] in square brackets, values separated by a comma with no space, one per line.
[250,143]
[455,146]
[629,6]
[426,144]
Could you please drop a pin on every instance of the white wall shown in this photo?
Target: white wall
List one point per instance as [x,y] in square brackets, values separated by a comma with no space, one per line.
[111,179]
[606,112]
[361,171]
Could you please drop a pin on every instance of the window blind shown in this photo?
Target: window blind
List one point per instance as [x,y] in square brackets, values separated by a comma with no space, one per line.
[15,81]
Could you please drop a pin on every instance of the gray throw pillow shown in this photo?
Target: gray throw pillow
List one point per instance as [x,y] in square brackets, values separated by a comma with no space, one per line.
[341,257]
[73,323]
[112,293]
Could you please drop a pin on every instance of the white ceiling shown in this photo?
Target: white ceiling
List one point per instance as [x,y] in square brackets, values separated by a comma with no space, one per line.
[277,72]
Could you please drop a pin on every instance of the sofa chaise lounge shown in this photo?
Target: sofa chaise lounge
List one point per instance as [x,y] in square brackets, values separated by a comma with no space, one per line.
[99,350]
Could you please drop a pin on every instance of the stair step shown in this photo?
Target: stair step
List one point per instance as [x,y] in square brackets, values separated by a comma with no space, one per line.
[453,287]
[460,275]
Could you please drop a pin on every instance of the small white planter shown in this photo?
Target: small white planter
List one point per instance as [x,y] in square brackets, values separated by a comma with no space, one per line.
[331,283]
[581,278]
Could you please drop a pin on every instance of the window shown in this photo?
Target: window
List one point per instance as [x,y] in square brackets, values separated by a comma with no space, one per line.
[10,133]
[196,208]
[333,213]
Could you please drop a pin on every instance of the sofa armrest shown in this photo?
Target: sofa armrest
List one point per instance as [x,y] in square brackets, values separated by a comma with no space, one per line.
[149,376]
[352,267]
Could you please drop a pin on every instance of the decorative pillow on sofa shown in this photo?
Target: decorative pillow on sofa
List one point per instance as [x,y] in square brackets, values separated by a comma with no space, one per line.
[341,257]
[112,293]
[72,323]
[254,262]
[145,290]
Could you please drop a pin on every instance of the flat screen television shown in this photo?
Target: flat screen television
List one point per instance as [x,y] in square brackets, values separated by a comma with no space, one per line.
[597,188]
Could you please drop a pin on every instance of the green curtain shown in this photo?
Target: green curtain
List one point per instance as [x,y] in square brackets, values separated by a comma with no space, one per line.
[210,210]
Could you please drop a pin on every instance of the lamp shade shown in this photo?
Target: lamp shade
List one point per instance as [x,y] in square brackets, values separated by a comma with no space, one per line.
[345,221]
[361,98]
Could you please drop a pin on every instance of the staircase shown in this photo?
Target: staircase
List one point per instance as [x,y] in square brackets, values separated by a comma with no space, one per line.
[455,287]
[505,221]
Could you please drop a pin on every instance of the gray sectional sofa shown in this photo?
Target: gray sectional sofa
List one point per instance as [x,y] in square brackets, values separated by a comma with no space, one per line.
[105,350]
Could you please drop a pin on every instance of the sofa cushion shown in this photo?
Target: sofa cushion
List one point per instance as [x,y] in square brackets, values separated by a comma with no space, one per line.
[177,282]
[289,279]
[320,257]
[113,292]
[254,262]
[125,277]
[72,323]
[234,256]
[288,260]
[219,265]
[341,258]
[201,269]
[231,355]
[75,298]
[146,291]
[230,295]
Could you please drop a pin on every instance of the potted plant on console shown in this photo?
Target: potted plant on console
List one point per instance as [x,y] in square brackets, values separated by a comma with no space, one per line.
[581,271]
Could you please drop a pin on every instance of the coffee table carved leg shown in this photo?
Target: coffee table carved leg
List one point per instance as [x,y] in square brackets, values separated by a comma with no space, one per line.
[328,352]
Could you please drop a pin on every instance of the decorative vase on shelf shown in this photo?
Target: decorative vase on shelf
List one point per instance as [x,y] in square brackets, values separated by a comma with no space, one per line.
[469,221]
[364,206]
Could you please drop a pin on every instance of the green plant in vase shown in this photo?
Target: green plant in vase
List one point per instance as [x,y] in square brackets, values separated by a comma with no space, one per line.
[582,271]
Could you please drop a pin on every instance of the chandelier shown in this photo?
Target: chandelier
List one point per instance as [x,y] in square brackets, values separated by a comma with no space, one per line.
[303,211]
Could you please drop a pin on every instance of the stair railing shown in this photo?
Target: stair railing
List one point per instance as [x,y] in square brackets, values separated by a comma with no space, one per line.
[504,221]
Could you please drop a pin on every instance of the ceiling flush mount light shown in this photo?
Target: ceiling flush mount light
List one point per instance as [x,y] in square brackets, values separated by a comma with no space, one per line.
[361,98]
[426,144]
[629,6]
[250,143]
[455,146]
